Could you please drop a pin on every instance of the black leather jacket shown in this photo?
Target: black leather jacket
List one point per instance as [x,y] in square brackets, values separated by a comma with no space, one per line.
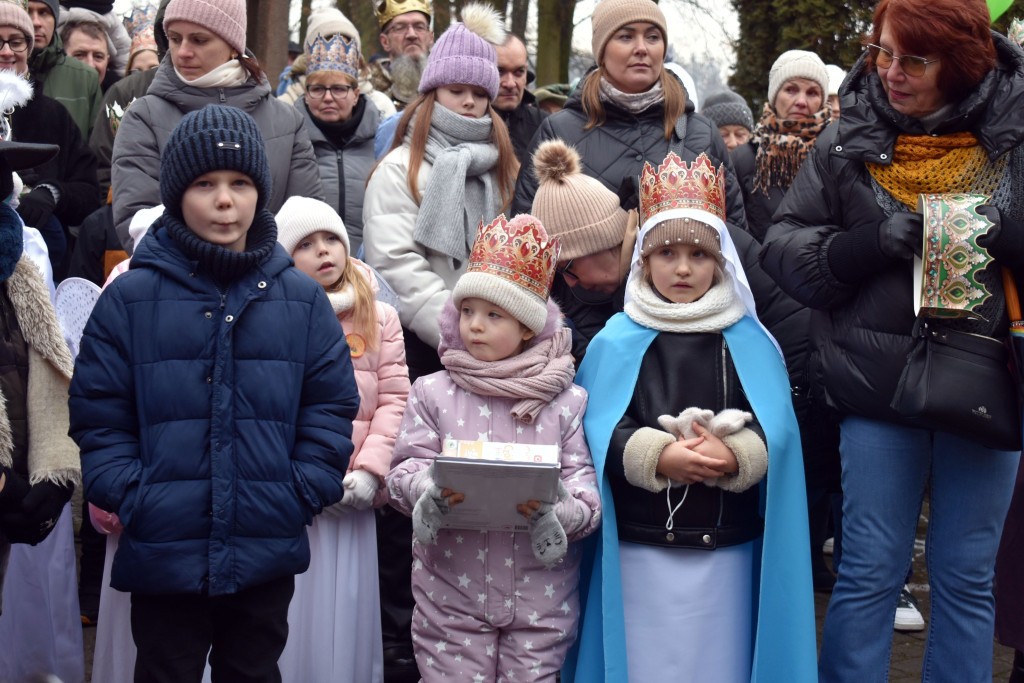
[679,371]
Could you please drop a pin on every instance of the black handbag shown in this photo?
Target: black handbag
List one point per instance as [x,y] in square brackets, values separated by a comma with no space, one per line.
[960,383]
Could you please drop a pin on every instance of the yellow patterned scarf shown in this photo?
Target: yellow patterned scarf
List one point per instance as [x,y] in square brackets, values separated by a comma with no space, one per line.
[923,164]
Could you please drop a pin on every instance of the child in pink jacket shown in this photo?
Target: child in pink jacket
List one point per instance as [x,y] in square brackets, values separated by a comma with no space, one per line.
[497,605]
[334,617]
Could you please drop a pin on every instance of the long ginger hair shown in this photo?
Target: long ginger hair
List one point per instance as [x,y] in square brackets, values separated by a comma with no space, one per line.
[508,164]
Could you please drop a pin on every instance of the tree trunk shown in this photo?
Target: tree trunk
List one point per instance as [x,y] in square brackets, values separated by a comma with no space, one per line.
[267,35]
[443,16]
[554,40]
[307,8]
[360,13]
[520,12]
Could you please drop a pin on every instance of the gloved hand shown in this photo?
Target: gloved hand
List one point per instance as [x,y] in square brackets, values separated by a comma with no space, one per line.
[902,235]
[15,489]
[39,513]
[1005,239]
[547,533]
[360,489]
[36,207]
[428,515]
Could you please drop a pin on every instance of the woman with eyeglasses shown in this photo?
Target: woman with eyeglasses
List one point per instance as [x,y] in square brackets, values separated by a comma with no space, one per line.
[341,122]
[795,113]
[206,63]
[933,106]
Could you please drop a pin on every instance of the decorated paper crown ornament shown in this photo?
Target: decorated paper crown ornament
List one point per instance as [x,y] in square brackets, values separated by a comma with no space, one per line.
[139,19]
[386,10]
[694,191]
[512,265]
[1016,32]
[337,54]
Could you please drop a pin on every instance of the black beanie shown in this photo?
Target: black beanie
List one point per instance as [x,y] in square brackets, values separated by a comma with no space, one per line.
[727,108]
[215,138]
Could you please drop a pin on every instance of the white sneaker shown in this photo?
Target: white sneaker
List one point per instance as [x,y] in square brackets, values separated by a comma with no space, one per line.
[908,616]
[826,547]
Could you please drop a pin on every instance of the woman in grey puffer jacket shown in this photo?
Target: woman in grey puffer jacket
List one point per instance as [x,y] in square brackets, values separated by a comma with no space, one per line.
[207,63]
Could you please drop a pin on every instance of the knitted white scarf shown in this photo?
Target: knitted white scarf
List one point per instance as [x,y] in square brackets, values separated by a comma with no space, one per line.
[343,300]
[719,308]
[228,75]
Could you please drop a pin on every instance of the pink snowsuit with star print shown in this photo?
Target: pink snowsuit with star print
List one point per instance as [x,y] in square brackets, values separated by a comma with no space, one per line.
[487,610]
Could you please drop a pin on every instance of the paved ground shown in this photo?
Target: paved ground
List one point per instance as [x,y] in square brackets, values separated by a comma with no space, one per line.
[907,648]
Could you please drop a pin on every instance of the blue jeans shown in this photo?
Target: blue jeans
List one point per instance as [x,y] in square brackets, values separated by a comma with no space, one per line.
[885,471]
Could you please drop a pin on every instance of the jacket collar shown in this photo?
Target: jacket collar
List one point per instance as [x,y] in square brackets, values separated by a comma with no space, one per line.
[366,129]
[993,111]
[167,85]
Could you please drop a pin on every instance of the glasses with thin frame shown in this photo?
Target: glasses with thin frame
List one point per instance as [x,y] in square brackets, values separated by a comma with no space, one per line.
[912,66]
[419,27]
[17,44]
[564,270]
[317,92]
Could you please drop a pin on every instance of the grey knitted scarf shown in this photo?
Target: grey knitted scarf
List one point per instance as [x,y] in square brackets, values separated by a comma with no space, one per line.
[461,191]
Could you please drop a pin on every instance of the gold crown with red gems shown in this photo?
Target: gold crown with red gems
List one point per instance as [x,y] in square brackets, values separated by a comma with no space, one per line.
[519,251]
[678,185]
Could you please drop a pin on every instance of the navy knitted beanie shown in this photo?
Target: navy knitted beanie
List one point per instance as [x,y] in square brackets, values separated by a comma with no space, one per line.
[214,138]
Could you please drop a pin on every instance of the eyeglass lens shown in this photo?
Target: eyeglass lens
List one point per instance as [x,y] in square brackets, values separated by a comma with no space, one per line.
[913,66]
[16,44]
[337,91]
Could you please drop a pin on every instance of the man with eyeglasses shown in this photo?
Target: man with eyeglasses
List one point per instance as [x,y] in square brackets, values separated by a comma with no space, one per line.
[515,104]
[406,36]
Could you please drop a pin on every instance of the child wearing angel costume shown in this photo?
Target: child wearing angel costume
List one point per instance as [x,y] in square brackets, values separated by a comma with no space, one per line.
[497,605]
[690,408]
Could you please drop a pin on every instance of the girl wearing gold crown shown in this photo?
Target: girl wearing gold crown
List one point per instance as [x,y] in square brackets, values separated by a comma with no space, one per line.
[497,605]
[690,409]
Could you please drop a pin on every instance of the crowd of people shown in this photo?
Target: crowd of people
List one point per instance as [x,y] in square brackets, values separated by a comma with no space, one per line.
[245,330]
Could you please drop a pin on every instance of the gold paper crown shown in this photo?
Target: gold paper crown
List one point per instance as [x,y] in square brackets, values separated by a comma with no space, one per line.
[519,251]
[676,185]
[337,54]
[386,10]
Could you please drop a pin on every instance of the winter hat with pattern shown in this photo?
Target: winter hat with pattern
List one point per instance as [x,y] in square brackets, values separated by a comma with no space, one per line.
[796,64]
[226,18]
[300,217]
[14,14]
[214,138]
[465,54]
[611,15]
[727,108]
[581,212]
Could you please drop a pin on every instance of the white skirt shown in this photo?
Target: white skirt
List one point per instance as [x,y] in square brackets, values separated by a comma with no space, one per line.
[334,617]
[41,625]
[688,613]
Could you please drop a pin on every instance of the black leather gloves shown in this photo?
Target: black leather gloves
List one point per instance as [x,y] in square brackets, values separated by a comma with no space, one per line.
[1005,239]
[40,510]
[14,491]
[36,207]
[901,236]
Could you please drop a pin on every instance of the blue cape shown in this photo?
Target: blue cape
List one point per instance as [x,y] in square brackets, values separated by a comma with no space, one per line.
[784,643]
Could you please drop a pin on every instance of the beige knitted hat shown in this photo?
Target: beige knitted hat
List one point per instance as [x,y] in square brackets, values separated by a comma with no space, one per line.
[582,213]
[226,18]
[13,13]
[796,64]
[611,15]
[327,22]
[302,216]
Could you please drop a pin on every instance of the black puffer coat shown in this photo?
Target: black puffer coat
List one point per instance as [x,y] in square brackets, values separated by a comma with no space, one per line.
[862,328]
[711,517]
[618,148]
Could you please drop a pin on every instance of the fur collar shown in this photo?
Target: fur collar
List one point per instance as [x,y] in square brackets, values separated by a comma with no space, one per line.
[37,317]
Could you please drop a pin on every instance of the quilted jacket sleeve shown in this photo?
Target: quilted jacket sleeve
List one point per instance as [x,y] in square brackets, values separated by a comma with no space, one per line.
[103,418]
[578,474]
[134,168]
[392,392]
[795,251]
[304,176]
[329,402]
[419,442]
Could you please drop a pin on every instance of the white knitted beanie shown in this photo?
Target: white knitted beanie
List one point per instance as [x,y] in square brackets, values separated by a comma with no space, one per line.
[796,64]
[302,216]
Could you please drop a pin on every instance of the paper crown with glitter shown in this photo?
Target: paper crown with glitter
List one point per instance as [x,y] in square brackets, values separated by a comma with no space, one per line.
[337,54]
[386,10]
[512,265]
[140,18]
[1016,32]
[677,185]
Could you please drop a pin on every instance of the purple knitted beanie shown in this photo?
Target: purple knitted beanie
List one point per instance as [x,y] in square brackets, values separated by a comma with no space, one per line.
[226,18]
[465,53]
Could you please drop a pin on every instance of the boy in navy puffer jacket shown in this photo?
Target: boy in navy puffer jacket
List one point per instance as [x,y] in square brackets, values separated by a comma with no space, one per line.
[212,400]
